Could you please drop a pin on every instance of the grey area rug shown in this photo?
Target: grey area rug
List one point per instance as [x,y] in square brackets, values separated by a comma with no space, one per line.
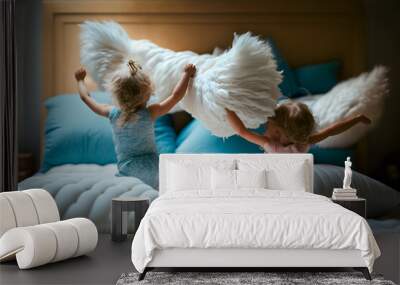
[243,278]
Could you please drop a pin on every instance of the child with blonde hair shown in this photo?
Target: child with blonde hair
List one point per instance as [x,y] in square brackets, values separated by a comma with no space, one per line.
[292,129]
[132,120]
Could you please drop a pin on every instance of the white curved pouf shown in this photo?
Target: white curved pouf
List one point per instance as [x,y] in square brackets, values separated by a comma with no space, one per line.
[26,208]
[41,244]
[31,232]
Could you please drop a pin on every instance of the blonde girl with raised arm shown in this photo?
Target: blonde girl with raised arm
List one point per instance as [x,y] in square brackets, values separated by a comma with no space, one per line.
[132,120]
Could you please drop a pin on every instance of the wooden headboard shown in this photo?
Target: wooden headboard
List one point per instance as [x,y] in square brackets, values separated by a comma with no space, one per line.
[306,31]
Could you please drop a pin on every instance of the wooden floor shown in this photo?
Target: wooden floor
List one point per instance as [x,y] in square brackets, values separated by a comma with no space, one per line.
[111,259]
[103,266]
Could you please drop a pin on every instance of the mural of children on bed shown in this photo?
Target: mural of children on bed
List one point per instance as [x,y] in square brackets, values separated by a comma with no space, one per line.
[132,121]
[291,129]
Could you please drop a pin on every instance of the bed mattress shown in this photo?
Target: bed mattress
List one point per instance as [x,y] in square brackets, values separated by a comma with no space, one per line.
[254,218]
[86,190]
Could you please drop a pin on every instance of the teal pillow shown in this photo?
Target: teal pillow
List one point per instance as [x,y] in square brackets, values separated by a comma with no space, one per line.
[186,131]
[195,138]
[74,134]
[165,134]
[289,86]
[334,156]
[318,78]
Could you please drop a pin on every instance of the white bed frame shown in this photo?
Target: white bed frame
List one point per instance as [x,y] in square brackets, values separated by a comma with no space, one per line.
[251,258]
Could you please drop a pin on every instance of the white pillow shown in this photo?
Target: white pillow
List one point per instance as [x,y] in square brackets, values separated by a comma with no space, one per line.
[282,174]
[292,180]
[227,179]
[186,175]
[183,178]
[223,179]
[234,80]
[251,179]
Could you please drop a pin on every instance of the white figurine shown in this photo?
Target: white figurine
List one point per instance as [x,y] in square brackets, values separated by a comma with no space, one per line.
[347,174]
[345,193]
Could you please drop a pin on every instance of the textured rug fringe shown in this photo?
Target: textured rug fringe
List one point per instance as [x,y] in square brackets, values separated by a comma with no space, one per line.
[244,278]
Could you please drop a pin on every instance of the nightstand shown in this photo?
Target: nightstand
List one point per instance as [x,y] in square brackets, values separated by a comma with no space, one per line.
[119,215]
[357,205]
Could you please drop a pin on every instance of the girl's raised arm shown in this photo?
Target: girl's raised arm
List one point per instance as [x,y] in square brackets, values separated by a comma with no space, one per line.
[100,109]
[242,131]
[157,110]
[338,128]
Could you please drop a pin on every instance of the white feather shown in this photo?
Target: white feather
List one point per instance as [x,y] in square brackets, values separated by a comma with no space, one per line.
[104,46]
[244,79]
[360,95]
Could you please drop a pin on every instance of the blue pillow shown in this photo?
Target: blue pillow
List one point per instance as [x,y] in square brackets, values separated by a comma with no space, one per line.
[165,134]
[334,156]
[195,138]
[289,86]
[318,78]
[74,134]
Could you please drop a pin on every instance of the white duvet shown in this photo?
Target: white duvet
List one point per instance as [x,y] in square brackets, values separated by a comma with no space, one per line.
[250,219]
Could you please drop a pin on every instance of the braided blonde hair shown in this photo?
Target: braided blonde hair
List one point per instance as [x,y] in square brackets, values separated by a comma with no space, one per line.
[131,88]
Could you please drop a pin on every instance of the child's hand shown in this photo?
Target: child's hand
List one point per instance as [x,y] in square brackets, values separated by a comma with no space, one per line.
[190,69]
[364,119]
[80,74]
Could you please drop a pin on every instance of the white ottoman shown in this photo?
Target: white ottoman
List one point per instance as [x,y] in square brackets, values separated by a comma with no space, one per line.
[31,232]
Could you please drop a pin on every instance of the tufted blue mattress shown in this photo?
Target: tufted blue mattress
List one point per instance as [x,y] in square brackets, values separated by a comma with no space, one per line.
[86,190]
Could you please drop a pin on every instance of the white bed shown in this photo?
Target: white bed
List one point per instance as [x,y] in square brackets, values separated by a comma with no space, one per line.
[248,227]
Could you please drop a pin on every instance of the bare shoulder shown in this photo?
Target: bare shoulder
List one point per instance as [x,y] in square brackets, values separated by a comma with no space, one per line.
[155,110]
